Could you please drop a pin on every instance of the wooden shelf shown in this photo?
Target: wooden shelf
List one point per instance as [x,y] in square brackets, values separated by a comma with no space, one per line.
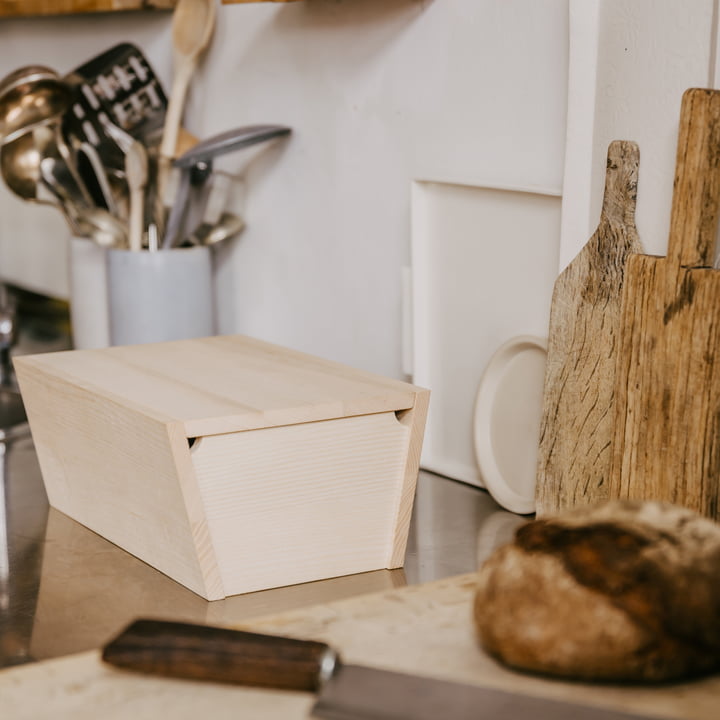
[27,8]
[236,2]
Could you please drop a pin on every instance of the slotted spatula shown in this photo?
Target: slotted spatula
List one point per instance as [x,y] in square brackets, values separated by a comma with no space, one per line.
[667,420]
[574,455]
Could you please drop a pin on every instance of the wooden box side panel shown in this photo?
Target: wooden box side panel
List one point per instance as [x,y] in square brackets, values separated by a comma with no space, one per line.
[414,420]
[112,470]
[299,503]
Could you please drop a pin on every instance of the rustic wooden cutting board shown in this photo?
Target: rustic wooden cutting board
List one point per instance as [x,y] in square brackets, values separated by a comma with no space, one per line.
[422,629]
[667,442]
[574,455]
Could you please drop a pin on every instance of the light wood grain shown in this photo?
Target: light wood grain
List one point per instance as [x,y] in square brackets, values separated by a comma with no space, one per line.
[25,8]
[423,629]
[413,419]
[667,442]
[229,464]
[316,500]
[225,384]
[575,449]
[113,470]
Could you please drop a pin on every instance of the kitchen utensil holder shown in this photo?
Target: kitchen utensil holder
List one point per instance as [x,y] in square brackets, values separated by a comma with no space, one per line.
[159,296]
[88,295]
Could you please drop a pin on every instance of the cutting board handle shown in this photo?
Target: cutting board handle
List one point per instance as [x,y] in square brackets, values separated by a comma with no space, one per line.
[696,193]
[621,182]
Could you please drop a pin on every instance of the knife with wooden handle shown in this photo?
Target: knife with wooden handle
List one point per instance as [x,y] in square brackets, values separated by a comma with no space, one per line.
[345,692]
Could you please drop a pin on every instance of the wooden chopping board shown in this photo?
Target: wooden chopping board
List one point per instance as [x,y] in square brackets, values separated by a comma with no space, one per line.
[422,629]
[574,454]
[667,442]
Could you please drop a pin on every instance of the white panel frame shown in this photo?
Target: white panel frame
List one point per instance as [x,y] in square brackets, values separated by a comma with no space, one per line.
[421,327]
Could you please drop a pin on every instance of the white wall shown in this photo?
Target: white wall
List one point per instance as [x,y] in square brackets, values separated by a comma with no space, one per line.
[380,93]
[463,96]
[630,64]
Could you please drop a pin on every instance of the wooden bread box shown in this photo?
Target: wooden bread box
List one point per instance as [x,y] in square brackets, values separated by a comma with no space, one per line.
[227,463]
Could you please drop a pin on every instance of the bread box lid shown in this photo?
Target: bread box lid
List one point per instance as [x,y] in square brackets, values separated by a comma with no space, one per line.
[224,384]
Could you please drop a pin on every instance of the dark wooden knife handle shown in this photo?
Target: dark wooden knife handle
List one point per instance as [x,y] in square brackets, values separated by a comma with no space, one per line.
[200,652]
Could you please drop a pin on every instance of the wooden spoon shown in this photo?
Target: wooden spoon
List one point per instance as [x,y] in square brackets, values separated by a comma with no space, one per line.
[193,23]
[136,173]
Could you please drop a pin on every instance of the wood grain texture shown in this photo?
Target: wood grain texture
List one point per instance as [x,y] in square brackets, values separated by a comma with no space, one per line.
[667,442]
[414,420]
[229,464]
[26,8]
[303,502]
[111,469]
[574,455]
[226,383]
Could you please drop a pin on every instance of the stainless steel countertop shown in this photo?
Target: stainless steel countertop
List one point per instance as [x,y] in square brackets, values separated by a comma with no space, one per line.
[64,589]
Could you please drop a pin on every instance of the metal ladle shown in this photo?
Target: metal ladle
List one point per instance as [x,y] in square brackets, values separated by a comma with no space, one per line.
[30,97]
[20,166]
[33,173]
[89,220]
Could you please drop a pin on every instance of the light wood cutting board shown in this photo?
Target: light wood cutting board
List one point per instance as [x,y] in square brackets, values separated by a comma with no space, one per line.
[422,629]
[667,441]
[576,430]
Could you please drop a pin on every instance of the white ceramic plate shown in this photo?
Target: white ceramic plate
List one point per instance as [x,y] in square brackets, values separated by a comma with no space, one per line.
[506,425]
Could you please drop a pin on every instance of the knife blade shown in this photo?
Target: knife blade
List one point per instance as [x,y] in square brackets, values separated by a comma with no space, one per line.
[345,692]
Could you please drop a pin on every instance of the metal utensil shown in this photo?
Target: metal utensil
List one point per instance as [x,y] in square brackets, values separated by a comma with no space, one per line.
[31,99]
[94,173]
[20,167]
[88,220]
[20,163]
[120,83]
[228,226]
[22,159]
[345,692]
[201,155]
[24,74]
[178,210]
[195,166]
[214,205]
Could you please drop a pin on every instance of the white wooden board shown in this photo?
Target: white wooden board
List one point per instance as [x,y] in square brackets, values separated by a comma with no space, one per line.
[484,261]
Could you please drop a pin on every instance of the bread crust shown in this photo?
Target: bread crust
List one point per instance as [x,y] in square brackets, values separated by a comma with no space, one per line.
[623,591]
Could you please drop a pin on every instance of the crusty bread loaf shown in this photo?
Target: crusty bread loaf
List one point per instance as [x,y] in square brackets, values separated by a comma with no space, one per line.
[619,591]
